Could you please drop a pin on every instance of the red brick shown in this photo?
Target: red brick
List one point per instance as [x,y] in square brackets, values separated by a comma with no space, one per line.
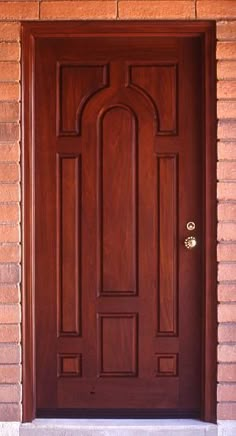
[9,31]
[226,312]
[10,393]
[226,411]
[227,272]
[227,353]
[25,10]
[9,152]
[226,191]
[10,354]
[227,372]
[226,292]
[226,212]
[9,71]
[156,9]
[9,295]
[9,213]
[226,392]
[9,51]
[226,70]
[226,50]
[10,374]
[9,313]
[77,9]
[216,9]
[227,129]
[9,132]
[227,231]
[9,192]
[9,233]
[9,172]
[226,109]
[9,333]
[9,253]
[226,332]
[226,89]
[226,30]
[9,273]
[10,412]
[9,111]
[9,91]
[226,252]
[227,150]
[226,170]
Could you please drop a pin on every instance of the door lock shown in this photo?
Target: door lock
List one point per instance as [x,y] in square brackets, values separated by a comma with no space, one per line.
[190,226]
[190,242]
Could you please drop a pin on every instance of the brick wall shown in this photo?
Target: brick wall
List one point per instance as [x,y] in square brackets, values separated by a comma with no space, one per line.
[11,12]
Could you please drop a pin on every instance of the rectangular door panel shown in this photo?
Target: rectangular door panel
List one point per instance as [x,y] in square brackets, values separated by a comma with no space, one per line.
[69,244]
[167,168]
[117,352]
[117,199]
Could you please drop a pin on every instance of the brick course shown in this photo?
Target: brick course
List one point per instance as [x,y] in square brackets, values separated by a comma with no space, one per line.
[217,9]
[10,94]
[227,330]
[226,293]
[19,10]
[226,30]
[227,372]
[78,9]
[9,294]
[226,70]
[156,9]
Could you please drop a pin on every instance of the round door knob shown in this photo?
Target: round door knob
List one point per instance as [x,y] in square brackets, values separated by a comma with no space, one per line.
[190,242]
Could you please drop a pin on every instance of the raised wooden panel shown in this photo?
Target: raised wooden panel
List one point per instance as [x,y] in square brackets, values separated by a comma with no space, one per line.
[118,348]
[69,365]
[118,202]
[69,244]
[80,82]
[167,365]
[158,83]
[167,245]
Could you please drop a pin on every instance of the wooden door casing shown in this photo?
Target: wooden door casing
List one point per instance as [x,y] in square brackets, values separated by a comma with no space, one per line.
[84,134]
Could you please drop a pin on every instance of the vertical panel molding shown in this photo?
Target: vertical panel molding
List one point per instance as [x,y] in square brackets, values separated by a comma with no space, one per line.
[117,198]
[69,244]
[167,198]
[118,344]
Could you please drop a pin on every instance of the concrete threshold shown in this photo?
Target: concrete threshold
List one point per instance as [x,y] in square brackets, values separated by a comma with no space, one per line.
[118,427]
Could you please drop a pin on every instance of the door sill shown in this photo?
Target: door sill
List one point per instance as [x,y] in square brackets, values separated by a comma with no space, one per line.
[118,414]
[118,427]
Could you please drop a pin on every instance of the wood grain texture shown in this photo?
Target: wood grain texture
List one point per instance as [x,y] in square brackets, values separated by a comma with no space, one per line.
[155,82]
[120,330]
[167,301]
[118,202]
[69,244]
[81,81]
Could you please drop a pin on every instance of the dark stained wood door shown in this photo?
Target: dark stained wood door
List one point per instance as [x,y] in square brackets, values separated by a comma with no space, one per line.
[118,175]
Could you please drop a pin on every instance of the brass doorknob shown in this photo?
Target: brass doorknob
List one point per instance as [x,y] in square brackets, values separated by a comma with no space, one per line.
[190,242]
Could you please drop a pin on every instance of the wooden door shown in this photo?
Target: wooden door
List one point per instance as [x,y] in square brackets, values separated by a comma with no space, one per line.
[118,175]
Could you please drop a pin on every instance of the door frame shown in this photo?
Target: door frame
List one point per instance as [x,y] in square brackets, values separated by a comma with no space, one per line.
[206,30]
